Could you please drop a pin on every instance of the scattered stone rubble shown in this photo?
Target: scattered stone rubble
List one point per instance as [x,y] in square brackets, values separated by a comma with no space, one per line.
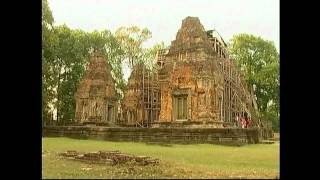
[109,157]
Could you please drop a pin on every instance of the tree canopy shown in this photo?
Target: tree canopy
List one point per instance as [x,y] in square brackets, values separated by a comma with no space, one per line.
[131,39]
[65,54]
[259,60]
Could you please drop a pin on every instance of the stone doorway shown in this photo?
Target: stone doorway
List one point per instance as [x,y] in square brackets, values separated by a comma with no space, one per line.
[109,115]
[180,107]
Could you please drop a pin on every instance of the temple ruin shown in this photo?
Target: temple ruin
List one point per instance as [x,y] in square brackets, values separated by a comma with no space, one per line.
[193,96]
[198,84]
[96,96]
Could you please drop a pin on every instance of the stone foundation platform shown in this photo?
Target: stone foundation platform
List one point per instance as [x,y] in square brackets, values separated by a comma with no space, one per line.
[226,136]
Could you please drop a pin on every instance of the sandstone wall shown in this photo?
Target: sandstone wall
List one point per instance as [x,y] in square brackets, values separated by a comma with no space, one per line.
[226,136]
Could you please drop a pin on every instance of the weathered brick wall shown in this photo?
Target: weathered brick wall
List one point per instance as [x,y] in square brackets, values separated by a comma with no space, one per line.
[96,94]
[158,135]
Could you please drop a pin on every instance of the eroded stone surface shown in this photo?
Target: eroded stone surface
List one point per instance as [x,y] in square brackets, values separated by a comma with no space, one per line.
[190,71]
[109,157]
[196,84]
[96,95]
[199,82]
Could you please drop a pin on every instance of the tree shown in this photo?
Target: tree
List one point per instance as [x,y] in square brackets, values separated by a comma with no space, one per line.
[258,59]
[47,18]
[70,56]
[150,55]
[48,42]
[131,39]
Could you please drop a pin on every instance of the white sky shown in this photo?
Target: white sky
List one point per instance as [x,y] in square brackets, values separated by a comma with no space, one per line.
[164,17]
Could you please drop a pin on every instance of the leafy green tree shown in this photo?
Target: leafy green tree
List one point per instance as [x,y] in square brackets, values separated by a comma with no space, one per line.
[73,52]
[131,39]
[150,55]
[69,58]
[48,42]
[259,60]
[47,18]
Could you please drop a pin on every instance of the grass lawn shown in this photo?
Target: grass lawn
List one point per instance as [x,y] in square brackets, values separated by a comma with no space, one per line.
[176,161]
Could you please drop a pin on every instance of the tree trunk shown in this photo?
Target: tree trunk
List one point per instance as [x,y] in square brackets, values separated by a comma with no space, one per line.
[58,85]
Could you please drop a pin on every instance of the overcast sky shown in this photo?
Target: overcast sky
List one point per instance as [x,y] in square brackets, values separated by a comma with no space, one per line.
[164,17]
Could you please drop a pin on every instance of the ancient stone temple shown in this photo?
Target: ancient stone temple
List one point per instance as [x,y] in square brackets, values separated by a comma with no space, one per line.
[141,102]
[194,95]
[96,95]
[198,82]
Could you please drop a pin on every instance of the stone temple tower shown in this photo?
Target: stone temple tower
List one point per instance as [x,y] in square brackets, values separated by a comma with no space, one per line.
[191,84]
[96,96]
[200,84]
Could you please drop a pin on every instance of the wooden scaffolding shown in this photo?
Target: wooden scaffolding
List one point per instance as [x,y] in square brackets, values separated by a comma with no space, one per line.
[141,105]
[238,98]
[150,98]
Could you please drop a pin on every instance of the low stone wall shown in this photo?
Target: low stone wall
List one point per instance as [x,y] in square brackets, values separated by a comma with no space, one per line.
[227,136]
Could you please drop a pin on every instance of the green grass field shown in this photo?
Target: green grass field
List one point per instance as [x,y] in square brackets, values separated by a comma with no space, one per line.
[176,161]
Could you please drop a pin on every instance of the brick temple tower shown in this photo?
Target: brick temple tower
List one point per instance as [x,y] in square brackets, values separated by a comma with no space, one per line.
[96,96]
